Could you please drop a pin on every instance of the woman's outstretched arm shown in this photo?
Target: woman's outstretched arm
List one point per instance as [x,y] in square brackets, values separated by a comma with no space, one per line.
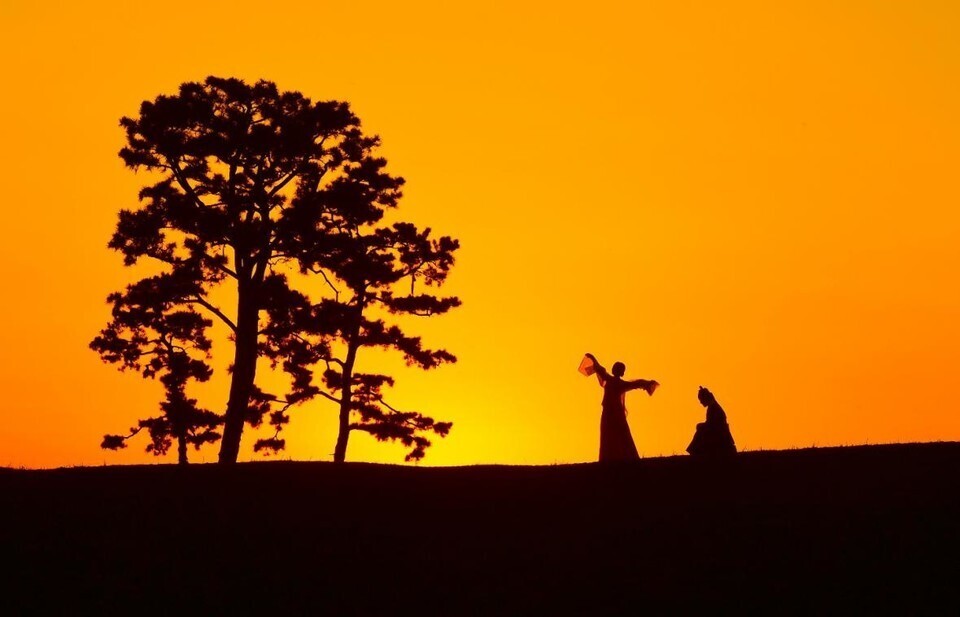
[646,384]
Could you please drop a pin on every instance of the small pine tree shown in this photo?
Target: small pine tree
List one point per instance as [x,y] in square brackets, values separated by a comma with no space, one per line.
[373,274]
[154,335]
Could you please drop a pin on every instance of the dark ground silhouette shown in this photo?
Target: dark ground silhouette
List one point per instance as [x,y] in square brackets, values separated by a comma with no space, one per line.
[809,531]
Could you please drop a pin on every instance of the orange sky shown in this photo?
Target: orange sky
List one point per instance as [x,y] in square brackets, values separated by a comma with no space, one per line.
[760,197]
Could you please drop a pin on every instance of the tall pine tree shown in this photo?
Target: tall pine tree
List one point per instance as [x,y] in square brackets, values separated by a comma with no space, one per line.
[240,170]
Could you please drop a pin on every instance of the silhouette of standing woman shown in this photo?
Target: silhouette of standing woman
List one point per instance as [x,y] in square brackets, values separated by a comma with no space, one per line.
[616,442]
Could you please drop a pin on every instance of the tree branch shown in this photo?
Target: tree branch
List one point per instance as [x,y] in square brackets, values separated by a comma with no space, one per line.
[320,271]
[178,174]
[329,396]
[286,404]
[388,406]
[133,432]
[278,187]
[334,361]
[202,302]
[220,266]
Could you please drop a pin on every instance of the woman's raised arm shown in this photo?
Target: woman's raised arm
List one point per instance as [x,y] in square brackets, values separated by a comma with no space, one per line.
[602,375]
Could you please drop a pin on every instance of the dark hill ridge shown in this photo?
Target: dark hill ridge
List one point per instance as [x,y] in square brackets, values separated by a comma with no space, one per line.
[816,531]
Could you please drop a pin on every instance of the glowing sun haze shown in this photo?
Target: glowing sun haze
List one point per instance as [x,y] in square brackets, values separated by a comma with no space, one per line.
[759,197]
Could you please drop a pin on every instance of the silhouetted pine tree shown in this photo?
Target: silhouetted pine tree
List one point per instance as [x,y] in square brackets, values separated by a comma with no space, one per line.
[372,273]
[153,334]
[241,171]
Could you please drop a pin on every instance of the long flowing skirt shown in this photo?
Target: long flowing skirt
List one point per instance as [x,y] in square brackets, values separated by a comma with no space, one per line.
[616,442]
[712,439]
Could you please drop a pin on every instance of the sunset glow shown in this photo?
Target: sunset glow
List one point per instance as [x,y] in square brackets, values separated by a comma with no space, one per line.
[756,197]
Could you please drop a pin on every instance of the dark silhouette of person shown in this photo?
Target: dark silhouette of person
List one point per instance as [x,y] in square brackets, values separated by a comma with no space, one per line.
[713,437]
[616,442]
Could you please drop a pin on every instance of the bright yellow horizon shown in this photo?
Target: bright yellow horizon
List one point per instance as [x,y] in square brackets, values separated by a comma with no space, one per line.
[756,197]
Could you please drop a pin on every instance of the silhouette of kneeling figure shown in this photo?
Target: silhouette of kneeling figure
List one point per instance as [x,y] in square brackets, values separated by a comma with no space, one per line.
[713,437]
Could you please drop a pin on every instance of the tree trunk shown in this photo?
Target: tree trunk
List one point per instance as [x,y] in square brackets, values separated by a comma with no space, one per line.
[244,372]
[343,435]
[340,452]
[182,450]
[353,344]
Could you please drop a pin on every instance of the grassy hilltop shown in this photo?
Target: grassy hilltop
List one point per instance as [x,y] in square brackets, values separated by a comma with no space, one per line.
[815,531]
